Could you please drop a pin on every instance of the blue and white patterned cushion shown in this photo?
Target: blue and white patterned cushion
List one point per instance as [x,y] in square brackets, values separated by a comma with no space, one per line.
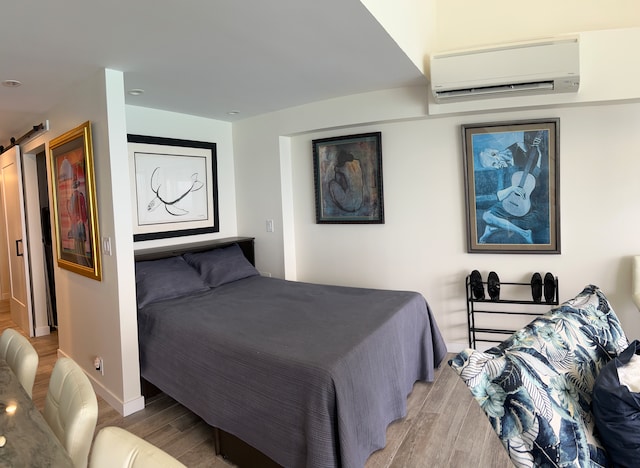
[536,386]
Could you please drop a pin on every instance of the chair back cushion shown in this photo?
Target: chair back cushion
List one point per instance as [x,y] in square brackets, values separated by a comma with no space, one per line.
[115,447]
[71,409]
[21,357]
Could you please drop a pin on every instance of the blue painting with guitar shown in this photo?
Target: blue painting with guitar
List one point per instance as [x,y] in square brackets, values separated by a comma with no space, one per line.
[511,184]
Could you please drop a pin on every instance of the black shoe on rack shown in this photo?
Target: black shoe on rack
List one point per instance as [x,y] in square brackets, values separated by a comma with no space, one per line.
[477,288]
[549,288]
[493,286]
[536,287]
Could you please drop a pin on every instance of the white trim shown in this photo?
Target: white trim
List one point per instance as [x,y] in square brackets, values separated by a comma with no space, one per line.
[43,331]
[124,408]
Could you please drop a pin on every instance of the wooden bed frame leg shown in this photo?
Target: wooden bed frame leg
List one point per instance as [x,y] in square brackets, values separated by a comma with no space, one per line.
[216,440]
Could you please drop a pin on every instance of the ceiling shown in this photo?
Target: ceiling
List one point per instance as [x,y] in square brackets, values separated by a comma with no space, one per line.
[200,57]
[211,58]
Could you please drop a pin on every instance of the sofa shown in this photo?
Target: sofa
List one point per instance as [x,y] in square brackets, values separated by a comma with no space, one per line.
[536,386]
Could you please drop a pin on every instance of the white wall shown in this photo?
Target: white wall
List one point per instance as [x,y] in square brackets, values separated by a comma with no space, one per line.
[462,24]
[422,244]
[97,318]
[158,123]
[263,177]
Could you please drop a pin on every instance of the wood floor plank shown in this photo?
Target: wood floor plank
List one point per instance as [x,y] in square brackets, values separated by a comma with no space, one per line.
[478,437]
[189,439]
[437,426]
[398,430]
[444,426]
[203,456]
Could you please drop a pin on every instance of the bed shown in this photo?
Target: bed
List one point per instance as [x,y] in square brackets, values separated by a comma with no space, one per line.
[309,375]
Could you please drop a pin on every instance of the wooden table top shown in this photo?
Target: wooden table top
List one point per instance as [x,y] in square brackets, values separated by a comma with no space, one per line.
[29,441]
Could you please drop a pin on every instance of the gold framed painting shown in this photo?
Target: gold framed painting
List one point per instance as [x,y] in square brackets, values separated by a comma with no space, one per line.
[74,201]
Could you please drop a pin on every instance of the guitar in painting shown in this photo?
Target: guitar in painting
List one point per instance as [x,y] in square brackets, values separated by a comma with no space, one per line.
[518,202]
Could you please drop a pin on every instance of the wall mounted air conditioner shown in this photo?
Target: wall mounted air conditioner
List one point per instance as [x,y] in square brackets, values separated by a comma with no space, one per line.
[541,67]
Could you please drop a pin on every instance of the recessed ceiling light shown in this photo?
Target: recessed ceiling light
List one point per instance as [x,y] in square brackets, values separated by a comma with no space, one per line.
[11,83]
[136,91]
[233,112]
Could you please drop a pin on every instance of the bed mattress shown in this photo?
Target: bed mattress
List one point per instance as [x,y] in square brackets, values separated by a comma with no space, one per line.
[310,375]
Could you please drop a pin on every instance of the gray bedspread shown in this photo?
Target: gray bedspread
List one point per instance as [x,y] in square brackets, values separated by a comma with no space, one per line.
[310,375]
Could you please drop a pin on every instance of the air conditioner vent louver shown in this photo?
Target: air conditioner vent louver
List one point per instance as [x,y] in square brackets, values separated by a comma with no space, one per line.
[512,70]
[488,91]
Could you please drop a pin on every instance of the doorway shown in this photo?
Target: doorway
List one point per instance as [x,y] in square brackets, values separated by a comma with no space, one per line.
[47,239]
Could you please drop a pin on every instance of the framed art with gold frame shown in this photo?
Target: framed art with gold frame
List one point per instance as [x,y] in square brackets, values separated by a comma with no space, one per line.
[74,202]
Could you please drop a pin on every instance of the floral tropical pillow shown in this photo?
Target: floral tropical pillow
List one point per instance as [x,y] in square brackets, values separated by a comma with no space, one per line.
[536,386]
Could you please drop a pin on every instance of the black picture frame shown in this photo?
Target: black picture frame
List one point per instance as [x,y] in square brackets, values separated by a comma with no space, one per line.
[174,187]
[512,186]
[348,179]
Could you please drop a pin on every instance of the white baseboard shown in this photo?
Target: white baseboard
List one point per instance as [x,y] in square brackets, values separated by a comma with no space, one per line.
[42,331]
[125,408]
[457,347]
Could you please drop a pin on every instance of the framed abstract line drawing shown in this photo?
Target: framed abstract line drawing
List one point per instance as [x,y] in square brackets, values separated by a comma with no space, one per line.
[74,202]
[174,187]
[348,179]
[512,186]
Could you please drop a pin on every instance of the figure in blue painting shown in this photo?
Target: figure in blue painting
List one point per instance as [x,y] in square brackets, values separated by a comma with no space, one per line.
[512,194]
[349,177]
[347,186]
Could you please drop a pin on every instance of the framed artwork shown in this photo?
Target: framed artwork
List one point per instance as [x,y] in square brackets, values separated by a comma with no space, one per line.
[512,186]
[348,179]
[74,202]
[174,187]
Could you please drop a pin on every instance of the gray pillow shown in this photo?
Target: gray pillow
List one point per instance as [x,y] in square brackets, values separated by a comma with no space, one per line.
[167,278]
[220,266]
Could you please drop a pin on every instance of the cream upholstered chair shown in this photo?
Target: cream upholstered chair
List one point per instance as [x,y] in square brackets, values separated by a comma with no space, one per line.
[635,285]
[71,409]
[21,357]
[115,447]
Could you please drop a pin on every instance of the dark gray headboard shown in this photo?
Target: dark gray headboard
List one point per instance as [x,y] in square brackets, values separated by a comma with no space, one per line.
[154,253]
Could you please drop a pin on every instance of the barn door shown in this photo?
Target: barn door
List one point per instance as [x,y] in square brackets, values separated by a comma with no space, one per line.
[16,234]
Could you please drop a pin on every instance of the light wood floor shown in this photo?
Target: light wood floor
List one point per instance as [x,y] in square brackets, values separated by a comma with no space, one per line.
[444,426]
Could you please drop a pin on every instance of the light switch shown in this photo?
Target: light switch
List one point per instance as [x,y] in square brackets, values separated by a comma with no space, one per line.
[269,225]
[106,245]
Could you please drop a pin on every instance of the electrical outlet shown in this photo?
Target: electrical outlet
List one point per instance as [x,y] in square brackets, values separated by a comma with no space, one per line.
[98,363]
